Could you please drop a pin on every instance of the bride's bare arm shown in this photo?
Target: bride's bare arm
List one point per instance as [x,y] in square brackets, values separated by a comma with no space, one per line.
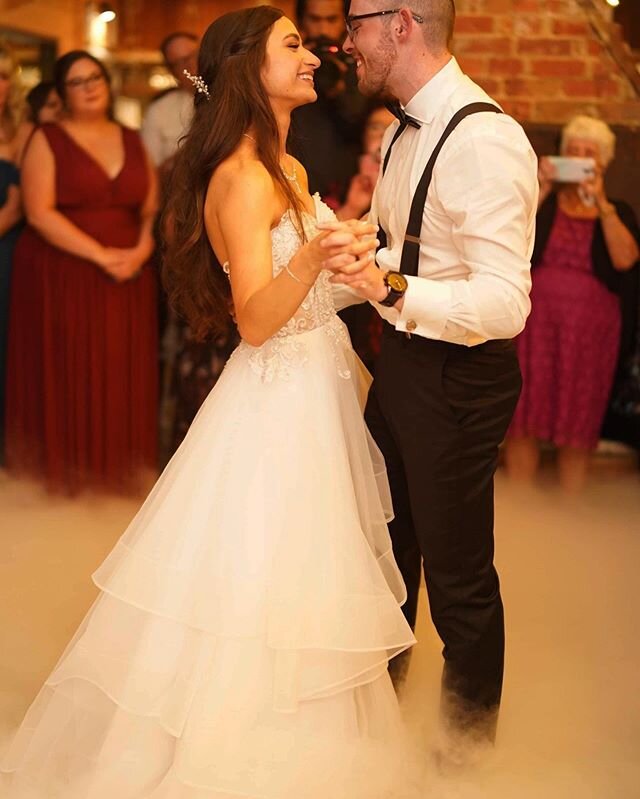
[244,218]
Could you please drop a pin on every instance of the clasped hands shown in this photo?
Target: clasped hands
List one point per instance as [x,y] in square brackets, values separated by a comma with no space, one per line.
[121,263]
[350,249]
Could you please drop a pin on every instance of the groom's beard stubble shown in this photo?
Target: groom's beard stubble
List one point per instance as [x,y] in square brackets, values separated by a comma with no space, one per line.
[377,69]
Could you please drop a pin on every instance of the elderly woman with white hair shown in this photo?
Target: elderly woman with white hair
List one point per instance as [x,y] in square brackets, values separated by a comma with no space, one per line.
[570,346]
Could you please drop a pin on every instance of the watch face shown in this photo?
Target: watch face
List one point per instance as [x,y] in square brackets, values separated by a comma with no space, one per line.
[397,282]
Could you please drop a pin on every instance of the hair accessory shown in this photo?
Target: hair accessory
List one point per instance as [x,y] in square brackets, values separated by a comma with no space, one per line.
[198,83]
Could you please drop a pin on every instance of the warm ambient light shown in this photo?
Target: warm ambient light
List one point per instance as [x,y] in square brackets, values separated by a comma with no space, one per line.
[613,3]
[107,14]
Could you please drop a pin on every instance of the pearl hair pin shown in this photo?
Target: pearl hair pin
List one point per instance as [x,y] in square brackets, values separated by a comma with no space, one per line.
[198,83]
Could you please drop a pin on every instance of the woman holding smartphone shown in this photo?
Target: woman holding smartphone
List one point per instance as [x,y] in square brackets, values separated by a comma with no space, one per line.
[569,349]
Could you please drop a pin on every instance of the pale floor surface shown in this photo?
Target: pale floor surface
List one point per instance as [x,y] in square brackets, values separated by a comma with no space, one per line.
[570,569]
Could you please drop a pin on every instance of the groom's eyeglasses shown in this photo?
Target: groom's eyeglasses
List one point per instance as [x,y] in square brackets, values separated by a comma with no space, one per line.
[355,17]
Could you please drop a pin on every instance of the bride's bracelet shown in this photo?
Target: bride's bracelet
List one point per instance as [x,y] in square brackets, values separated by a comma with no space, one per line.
[296,278]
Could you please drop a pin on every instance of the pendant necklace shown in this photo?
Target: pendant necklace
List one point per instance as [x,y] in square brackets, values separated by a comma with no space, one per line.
[293,179]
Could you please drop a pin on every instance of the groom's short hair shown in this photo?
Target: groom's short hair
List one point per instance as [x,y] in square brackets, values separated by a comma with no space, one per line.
[439,21]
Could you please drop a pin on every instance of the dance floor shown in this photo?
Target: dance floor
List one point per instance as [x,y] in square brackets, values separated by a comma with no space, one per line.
[570,726]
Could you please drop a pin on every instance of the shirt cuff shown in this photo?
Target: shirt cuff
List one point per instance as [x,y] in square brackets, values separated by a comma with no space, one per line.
[426,308]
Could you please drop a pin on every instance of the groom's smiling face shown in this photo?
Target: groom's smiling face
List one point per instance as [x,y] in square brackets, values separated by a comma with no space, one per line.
[370,42]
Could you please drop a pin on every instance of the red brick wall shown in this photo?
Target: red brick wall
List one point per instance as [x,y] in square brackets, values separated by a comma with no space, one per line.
[542,60]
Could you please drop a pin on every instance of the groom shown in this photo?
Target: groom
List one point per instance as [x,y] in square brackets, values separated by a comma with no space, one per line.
[456,205]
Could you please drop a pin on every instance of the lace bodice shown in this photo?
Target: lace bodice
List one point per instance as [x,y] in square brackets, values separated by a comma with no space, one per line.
[286,348]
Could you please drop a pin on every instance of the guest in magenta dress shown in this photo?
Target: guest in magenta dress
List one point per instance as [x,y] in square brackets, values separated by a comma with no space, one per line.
[569,349]
[82,361]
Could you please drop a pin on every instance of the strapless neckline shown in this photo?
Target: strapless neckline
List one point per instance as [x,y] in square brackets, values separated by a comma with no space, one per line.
[287,217]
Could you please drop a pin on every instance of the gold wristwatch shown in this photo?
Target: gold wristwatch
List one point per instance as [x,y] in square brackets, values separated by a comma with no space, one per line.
[397,285]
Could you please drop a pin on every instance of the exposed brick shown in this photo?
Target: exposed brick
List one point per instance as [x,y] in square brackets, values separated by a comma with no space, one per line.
[555,67]
[524,25]
[533,87]
[490,85]
[466,23]
[554,47]
[542,60]
[594,47]
[592,88]
[570,27]
[526,5]
[559,111]
[493,45]
[505,67]
[519,109]
[476,67]
[497,6]
[568,7]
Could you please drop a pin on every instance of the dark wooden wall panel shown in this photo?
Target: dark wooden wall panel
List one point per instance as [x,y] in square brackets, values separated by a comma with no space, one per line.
[144,23]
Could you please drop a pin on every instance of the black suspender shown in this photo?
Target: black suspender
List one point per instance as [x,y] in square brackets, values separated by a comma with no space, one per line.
[411,249]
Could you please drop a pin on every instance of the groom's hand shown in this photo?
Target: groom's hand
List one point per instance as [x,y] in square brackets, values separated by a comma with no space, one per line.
[348,245]
[366,279]
[362,273]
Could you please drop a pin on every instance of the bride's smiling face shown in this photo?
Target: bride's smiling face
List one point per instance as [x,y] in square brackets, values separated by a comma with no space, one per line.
[287,73]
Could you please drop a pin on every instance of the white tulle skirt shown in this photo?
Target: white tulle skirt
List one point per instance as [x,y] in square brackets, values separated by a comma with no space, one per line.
[240,642]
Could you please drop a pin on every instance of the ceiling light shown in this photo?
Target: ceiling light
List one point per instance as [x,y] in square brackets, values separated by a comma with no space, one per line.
[106,13]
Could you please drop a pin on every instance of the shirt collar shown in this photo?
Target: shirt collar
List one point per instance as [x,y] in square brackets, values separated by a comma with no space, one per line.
[427,100]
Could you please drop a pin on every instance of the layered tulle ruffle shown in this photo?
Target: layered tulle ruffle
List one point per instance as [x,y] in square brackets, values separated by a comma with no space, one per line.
[240,640]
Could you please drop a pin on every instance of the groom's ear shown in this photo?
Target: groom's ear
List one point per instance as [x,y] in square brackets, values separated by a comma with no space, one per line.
[405,18]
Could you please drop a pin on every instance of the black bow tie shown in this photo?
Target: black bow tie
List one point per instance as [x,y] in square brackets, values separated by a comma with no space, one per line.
[398,111]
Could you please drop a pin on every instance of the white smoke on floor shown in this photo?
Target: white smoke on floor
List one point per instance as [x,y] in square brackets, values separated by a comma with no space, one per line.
[49,546]
[570,722]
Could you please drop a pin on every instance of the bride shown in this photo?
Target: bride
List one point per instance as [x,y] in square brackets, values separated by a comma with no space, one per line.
[239,643]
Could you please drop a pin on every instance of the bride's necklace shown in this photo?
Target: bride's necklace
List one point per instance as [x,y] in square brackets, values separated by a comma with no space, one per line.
[293,178]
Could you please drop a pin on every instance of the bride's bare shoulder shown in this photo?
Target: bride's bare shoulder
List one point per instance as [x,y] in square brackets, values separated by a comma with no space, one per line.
[242,181]
[241,171]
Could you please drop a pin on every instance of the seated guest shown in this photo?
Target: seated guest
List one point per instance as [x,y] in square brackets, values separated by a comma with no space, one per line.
[82,376]
[585,243]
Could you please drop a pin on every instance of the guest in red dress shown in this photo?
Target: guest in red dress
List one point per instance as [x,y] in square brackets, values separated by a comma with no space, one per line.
[82,362]
[569,349]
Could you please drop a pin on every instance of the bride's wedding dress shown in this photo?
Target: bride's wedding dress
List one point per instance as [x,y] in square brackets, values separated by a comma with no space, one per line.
[240,640]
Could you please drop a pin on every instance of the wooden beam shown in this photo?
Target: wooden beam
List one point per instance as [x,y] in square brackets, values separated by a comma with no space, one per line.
[612,39]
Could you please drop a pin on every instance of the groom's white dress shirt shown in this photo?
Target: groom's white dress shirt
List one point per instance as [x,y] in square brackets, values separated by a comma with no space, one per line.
[479,219]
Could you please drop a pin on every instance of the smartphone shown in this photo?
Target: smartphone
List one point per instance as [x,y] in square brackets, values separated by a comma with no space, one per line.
[572,170]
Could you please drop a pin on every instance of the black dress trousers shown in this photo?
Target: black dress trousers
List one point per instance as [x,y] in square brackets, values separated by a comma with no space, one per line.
[439,412]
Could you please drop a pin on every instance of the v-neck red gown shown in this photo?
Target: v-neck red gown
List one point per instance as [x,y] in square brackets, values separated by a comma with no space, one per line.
[82,380]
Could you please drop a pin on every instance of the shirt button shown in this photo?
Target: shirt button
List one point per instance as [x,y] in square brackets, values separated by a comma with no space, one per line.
[411,325]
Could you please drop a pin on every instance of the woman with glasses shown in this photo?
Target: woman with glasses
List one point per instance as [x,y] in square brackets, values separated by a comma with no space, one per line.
[81,404]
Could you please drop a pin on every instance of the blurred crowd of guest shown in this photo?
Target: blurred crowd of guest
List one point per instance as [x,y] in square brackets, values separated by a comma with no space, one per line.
[100,380]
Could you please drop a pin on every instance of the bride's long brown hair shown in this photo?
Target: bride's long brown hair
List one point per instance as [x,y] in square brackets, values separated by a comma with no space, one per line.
[230,61]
